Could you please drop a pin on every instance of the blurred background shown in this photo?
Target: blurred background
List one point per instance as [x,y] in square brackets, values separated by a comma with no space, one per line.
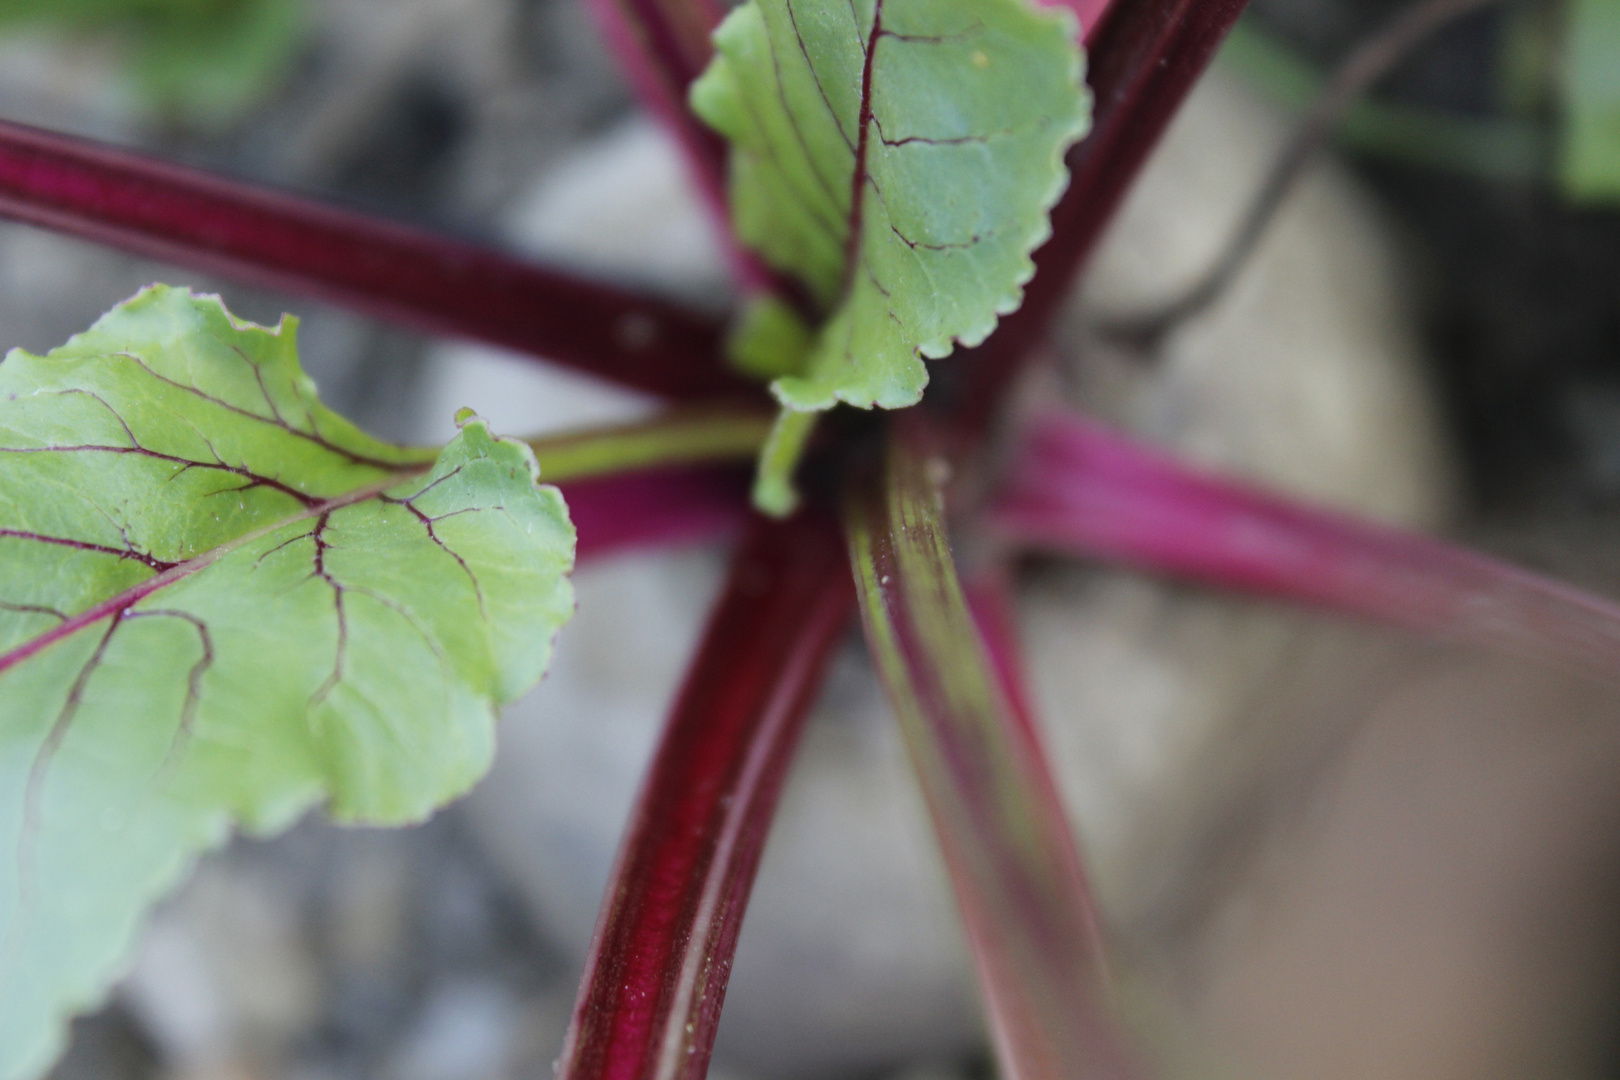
[1320,850]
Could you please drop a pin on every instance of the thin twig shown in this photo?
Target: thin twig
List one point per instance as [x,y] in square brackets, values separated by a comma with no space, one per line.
[1371,61]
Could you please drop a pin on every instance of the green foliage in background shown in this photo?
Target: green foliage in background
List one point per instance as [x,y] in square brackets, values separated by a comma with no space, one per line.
[200,62]
[1499,148]
[1589,157]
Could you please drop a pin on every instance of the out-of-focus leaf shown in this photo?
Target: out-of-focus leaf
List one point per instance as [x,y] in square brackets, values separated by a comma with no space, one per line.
[208,72]
[898,158]
[220,603]
[1494,147]
[1589,164]
[203,62]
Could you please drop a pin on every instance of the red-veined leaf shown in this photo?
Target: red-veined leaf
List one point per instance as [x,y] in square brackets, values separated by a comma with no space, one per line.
[1143,56]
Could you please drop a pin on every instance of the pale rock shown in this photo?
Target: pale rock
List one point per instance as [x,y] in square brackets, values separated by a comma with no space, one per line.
[1308,373]
[1172,711]
[225,969]
[67,83]
[1305,376]
[367,922]
[552,816]
[466,1030]
[934,1069]
[621,209]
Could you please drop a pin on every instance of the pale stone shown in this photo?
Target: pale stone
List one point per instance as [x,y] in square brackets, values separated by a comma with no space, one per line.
[225,967]
[1166,706]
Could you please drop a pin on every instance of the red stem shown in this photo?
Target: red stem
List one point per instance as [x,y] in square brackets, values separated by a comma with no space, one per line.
[1078,489]
[656,508]
[663,950]
[392,271]
[640,987]
[661,51]
[662,47]
[658,968]
[1002,829]
[989,596]
[1144,56]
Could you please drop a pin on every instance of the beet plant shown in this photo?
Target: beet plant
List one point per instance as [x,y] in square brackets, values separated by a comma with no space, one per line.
[222,604]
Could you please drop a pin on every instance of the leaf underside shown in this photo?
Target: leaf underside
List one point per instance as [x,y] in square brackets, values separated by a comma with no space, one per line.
[220,604]
[898,158]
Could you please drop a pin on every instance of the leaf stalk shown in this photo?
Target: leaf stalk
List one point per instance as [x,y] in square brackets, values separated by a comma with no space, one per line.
[1077,489]
[657,972]
[403,274]
[1012,860]
[680,437]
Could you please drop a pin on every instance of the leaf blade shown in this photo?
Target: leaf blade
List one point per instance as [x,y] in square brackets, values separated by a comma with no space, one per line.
[899,163]
[288,612]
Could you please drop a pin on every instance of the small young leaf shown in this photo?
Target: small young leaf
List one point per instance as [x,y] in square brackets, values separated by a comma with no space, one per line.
[221,603]
[774,492]
[898,158]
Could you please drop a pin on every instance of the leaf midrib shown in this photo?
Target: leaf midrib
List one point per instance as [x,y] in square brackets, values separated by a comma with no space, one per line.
[857,192]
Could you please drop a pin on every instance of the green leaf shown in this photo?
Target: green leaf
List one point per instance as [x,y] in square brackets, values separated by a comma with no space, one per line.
[898,158]
[204,62]
[209,72]
[221,604]
[1590,152]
